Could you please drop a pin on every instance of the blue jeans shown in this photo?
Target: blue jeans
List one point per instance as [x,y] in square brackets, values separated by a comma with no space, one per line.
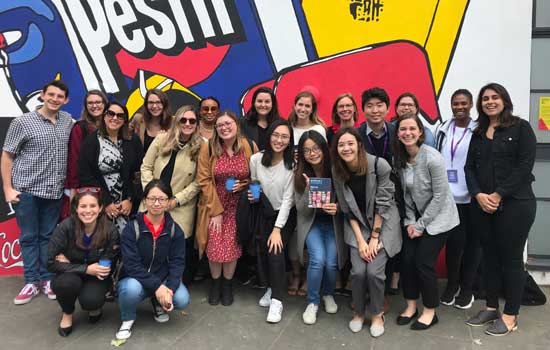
[131,293]
[323,261]
[36,218]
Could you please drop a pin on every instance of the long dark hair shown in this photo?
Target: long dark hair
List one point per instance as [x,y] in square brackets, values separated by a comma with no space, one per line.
[288,153]
[340,168]
[124,131]
[252,114]
[166,116]
[85,115]
[303,167]
[400,155]
[103,224]
[506,118]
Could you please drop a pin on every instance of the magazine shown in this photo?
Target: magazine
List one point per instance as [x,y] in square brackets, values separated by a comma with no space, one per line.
[319,191]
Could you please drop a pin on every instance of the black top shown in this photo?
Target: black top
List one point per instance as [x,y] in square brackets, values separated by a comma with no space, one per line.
[262,138]
[147,141]
[357,184]
[168,171]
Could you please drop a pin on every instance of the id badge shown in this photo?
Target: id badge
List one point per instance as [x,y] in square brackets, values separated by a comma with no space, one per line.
[452,175]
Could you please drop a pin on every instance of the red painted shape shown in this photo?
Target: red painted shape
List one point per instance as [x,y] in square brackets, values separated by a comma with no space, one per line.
[247,100]
[542,125]
[188,68]
[3,43]
[10,250]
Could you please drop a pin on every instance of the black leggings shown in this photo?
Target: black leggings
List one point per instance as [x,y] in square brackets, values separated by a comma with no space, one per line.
[89,290]
[503,235]
[463,252]
[418,273]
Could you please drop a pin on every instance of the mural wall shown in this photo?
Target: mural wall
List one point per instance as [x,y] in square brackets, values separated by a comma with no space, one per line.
[227,48]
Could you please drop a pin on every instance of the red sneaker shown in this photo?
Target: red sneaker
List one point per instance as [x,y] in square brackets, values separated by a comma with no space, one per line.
[26,294]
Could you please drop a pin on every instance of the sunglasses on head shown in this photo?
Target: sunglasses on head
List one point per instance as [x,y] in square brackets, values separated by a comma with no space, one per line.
[112,114]
[88,190]
[191,121]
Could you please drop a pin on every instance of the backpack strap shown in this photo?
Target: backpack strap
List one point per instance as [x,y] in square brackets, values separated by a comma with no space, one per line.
[173,230]
[136,228]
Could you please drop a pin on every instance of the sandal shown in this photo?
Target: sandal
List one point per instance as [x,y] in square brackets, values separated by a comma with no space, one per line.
[303,289]
[293,287]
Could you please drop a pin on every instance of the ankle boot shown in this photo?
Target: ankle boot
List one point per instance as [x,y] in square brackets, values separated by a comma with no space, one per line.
[227,291]
[215,291]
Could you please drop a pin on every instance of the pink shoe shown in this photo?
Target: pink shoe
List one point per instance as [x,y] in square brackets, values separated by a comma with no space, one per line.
[26,294]
[47,290]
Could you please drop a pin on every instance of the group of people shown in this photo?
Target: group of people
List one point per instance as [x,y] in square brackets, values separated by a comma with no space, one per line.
[141,201]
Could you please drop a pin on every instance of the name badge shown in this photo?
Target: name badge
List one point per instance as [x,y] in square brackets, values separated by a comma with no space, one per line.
[452,175]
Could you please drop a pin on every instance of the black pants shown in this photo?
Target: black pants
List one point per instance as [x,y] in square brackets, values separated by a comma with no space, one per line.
[89,290]
[503,235]
[463,252]
[418,273]
[191,261]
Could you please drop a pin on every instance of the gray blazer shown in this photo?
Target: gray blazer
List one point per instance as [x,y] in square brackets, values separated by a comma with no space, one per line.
[380,197]
[430,195]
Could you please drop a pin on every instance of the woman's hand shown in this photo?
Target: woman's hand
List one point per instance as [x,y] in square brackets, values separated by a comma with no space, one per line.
[250,196]
[330,208]
[487,202]
[306,178]
[372,249]
[239,185]
[101,272]
[112,211]
[363,248]
[164,296]
[412,232]
[215,223]
[172,203]
[125,207]
[62,258]
[274,242]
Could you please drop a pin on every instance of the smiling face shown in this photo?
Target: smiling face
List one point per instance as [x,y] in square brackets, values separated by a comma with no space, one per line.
[263,103]
[345,109]
[226,127]
[156,201]
[348,148]
[491,103]
[461,106]
[95,106]
[409,132]
[188,124]
[114,118]
[406,105]
[154,105]
[208,111]
[280,138]
[375,110]
[54,98]
[313,154]
[303,108]
[88,209]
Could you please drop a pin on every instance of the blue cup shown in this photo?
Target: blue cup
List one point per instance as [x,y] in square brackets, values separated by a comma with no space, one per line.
[255,190]
[104,262]
[229,183]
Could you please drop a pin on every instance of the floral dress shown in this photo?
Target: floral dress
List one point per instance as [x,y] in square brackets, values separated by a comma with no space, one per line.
[222,245]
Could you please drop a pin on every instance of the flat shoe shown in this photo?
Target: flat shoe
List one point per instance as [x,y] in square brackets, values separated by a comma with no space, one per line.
[483,317]
[405,320]
[65,331]
[419,326]
[355,325]
[499,328]
[377,330]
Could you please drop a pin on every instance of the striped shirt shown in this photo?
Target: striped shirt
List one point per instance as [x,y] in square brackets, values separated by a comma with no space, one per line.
[40,153]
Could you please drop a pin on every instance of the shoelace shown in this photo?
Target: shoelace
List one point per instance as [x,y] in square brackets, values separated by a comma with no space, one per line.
[30,287]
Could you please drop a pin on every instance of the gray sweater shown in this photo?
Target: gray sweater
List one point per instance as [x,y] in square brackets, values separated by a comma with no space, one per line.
[430,194]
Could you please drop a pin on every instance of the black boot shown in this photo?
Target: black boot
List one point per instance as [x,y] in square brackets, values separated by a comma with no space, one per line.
[227,291]
[215,291]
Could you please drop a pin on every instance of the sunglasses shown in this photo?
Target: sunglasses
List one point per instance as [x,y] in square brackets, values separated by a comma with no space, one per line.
[114,115]
[207,109]
[88,190]
[191,121]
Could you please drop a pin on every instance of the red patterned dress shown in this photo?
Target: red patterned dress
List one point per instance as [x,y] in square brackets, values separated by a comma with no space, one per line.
[223,246]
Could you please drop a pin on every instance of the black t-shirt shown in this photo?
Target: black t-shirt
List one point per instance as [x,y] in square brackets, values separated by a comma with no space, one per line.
[358,184]
[262,138]
[147,141]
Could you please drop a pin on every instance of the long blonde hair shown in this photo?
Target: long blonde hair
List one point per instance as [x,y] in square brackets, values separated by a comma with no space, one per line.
[174,140]
[216,143]
[313,117]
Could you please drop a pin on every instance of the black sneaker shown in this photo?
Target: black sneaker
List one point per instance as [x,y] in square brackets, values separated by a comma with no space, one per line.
[158,312]
[449,295]
[464,301]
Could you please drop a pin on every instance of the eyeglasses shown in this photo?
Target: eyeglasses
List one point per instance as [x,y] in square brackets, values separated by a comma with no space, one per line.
[94,103]
[190,121]
[277,136]
[153,200]
[88,190]
[348,105]
[154,103]
[314,149]
[207,109]
[224,125]
[114,115]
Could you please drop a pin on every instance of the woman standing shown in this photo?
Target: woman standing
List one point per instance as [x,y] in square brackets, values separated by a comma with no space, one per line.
[408,103]
[153,260]
[155,117]
[79,253]
[172,158]
[344,115]
[273,169]
[208,109]
[430,212]
[223,171]
[262,113]
[463,249]
[372,226]
[109,159]
[315,227]
[499,176]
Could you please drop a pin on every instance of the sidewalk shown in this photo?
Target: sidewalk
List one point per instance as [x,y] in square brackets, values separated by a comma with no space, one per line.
[243,326]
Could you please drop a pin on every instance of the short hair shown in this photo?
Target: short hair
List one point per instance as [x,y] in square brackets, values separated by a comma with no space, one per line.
[58,84]
[375,92]
[464,92]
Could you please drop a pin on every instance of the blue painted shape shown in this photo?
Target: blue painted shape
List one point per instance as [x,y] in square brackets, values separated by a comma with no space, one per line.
[32,47]
[37,6]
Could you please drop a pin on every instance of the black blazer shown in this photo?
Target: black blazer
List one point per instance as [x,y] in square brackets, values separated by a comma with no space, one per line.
[507,168]
[90,176]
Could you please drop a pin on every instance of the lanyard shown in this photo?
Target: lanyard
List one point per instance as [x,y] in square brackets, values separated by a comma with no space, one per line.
[454,146]
[386,142]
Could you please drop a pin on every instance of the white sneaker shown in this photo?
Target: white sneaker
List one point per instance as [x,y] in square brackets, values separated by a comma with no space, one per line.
[47,290]
[275,311]
[125,330]
[330,305]
[310,315]
[265,301]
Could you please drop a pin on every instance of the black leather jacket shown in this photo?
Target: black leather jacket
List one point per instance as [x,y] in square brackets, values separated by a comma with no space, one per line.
[506,167]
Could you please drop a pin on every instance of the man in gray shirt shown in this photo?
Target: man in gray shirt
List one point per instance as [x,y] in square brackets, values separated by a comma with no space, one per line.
[33,167]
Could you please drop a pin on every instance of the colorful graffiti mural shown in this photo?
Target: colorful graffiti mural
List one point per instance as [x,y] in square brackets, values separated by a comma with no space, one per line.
[227,48]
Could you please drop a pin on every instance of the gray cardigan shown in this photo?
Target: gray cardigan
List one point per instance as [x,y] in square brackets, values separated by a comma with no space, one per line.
[430,195]
[380,197]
